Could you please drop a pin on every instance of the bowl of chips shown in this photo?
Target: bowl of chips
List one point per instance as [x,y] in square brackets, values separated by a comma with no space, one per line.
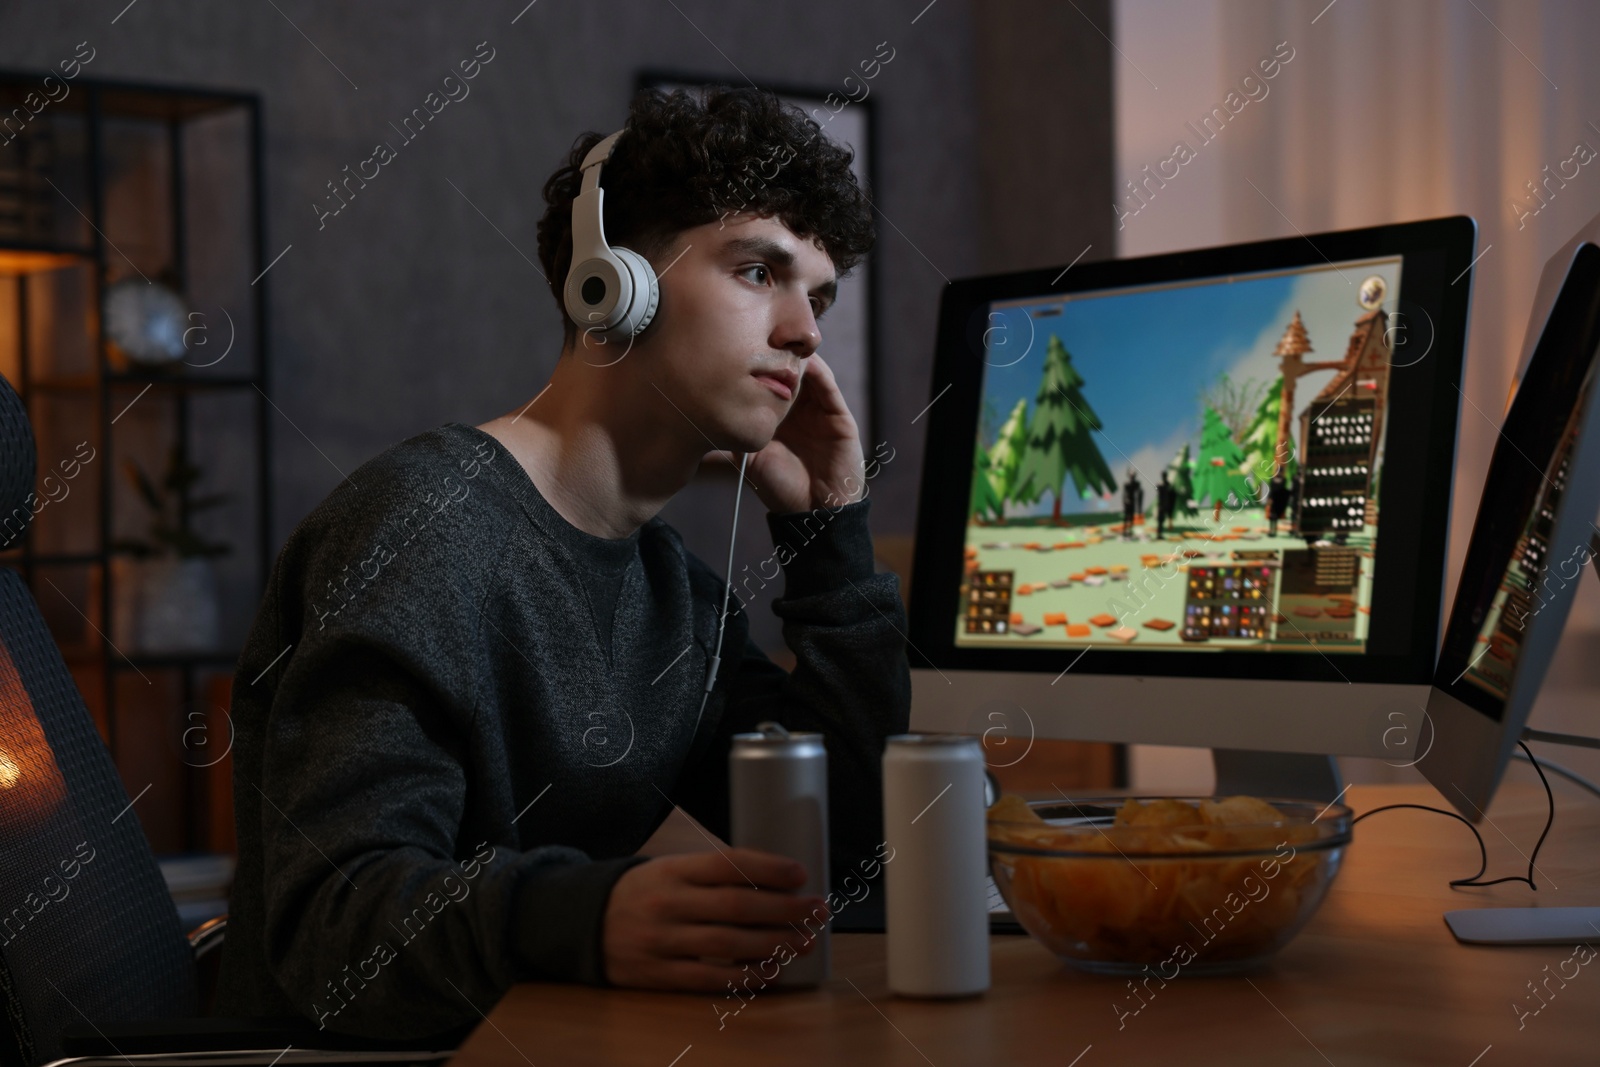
[1197,885]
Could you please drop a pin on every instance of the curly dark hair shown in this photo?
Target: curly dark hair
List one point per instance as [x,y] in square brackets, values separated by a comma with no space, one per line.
[684,163]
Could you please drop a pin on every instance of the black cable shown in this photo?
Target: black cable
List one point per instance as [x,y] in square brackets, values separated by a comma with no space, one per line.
[1483,852]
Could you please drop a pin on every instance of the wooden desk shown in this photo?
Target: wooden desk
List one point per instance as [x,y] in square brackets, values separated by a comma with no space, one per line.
[1376,978]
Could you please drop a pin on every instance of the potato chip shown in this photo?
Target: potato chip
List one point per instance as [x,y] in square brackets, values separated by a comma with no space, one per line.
[1235,811]
[1012,808]
[1162,811]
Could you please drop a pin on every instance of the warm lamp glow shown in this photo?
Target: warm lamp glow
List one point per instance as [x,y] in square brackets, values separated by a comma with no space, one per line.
[15,261]
[31,785]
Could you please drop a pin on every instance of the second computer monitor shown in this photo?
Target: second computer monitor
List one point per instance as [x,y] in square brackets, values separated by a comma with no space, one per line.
[1533,534]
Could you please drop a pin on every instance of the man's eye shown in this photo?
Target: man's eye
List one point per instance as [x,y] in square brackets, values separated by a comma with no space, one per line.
[760,267]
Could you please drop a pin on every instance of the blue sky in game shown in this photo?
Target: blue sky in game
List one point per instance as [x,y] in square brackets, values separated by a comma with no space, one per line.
[1147,356]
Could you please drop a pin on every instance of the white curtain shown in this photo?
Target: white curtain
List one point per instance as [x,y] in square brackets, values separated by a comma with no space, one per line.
[1386,112]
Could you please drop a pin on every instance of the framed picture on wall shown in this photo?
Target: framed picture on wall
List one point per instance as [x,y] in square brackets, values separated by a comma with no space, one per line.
[849,334]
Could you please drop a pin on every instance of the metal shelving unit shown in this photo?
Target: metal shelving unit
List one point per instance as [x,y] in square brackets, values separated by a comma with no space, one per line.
[89,195]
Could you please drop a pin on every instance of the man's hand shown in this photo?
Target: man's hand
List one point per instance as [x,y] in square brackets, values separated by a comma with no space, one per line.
[814,459]
[671,922]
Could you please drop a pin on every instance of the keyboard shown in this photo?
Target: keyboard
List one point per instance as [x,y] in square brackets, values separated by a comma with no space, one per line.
[997,903]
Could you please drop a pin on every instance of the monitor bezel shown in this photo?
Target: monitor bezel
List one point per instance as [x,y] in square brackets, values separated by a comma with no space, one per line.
[1436,265]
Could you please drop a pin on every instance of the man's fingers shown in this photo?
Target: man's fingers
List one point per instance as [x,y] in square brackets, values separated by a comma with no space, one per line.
[815,366]
[740,944]
[823,384]
[751,907]
[741,866]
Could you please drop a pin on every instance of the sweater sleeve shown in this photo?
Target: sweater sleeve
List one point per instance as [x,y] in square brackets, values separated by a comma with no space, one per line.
[378,919]
[852,683]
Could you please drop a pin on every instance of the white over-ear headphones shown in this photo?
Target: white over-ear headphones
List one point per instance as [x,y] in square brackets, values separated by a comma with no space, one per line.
[611,291]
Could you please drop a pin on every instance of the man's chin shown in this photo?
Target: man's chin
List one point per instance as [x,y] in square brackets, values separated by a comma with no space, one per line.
[750,435]
[750,447]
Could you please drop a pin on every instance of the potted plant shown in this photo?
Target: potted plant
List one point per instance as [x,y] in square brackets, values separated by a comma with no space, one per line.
[166,586]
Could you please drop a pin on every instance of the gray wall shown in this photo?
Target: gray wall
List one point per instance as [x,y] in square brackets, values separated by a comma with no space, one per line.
[410,310]
[1045,128]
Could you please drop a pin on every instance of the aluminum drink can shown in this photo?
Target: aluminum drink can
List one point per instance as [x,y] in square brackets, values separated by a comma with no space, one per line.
[778,802]
[936,887]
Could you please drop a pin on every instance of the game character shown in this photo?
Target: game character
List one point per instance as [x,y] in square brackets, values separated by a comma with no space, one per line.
[1132,503]
[1277,500]
[1166,504]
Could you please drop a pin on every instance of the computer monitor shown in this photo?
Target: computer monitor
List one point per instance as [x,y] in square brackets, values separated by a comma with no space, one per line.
[1261,617]
[1533,534]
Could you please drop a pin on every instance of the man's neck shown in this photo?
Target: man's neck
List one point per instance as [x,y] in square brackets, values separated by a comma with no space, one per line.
[605,468]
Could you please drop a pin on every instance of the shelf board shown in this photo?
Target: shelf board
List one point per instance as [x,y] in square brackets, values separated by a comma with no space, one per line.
[123,99]
[66,383]
[8,244]
[54,559]
[90,382]
[185,381]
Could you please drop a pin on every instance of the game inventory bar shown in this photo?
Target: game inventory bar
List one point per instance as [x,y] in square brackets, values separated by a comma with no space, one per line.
[1230,600]
[989,603]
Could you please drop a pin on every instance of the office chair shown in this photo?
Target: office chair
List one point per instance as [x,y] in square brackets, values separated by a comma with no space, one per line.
[94,968]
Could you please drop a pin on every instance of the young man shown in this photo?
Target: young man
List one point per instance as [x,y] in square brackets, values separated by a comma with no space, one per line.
[471,692]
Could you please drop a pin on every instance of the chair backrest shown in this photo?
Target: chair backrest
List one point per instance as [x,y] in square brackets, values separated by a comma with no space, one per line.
[88,931]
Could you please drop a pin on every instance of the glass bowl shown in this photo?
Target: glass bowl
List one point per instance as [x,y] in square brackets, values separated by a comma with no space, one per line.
[1210,897]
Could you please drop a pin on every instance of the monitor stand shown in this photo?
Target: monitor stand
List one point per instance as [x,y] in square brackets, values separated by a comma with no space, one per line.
[1296,775]
[1524,926]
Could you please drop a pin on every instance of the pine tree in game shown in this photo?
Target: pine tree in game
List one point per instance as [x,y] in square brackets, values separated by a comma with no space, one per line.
[1060,445]
[1180,472]
[1005,456]
[1260,441]
[985,505]
[1218,476]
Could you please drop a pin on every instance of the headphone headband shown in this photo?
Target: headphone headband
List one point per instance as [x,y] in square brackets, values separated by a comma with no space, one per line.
[611,291]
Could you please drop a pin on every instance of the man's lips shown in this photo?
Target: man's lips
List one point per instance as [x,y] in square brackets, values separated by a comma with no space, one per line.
[781,382]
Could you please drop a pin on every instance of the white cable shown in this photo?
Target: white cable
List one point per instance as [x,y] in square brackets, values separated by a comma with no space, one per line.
[727,593]
[1571,776]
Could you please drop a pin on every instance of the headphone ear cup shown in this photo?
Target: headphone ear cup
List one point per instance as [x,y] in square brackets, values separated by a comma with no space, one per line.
[646,292]
[593,290]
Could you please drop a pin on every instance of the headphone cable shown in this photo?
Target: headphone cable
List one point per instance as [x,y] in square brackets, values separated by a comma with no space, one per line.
[727,593]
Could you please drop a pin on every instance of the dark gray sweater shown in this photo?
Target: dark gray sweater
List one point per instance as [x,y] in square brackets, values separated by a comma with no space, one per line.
[439,773]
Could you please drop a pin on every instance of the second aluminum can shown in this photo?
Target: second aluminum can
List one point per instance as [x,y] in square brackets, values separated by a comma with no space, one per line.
[936,883]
